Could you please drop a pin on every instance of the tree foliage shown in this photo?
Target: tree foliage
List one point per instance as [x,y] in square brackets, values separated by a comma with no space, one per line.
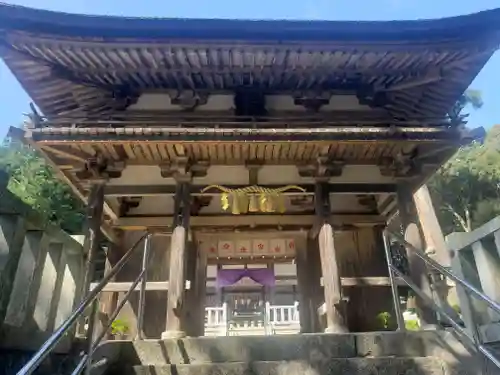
[34,183]
[466,190]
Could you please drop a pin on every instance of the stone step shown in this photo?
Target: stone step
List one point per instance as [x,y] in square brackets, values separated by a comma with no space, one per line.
[341,366]
[309,347]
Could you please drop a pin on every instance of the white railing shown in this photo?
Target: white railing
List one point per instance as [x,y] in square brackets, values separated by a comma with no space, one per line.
[278,317]
[216,316]
[282,314]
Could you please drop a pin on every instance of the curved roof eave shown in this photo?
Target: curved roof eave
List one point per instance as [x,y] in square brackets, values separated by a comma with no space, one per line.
[467,27]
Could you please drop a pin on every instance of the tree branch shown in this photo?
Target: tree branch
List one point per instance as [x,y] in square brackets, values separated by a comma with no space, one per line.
[468,218]
[457,216]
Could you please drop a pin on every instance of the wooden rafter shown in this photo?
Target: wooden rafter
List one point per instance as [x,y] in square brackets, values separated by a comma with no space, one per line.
[443,67]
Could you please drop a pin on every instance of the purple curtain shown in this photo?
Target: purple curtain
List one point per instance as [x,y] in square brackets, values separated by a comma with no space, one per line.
[263,276]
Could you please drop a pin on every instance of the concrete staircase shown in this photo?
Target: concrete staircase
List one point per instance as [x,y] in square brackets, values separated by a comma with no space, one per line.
[388,353]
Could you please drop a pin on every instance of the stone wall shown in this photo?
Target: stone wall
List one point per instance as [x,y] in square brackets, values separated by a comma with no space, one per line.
[41,268]
[476,259]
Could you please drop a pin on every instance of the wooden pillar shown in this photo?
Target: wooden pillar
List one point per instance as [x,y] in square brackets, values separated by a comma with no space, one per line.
[310,294]
[92,232]
[436,247]
[194,309]
[200,287]
[92,235]
[431,229]
[418,270]
[109,300]
[305,292]
[331,282]
[335,315]
[177,273]
[362,255]
[267,290]
[317,294]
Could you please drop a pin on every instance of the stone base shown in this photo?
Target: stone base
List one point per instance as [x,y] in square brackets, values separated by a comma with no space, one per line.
[430,327]
[388,353]
[336,329]
[375,366]
[173,335]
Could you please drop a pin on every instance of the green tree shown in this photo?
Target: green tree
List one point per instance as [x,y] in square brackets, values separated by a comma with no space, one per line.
[466,190]
[36,185]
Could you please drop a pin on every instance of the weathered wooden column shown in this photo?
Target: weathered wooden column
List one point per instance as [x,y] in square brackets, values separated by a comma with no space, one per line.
[199,287]
[304,288]
[431,230]
[309,286]
[177,273]
[435,246]
[109,300]
[97,171]
[189,313]
[194,308]
[418,270]
[92,234]
[92,231]
[335,314]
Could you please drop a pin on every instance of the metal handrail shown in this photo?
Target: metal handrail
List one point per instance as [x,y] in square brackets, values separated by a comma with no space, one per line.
[473,342]
[431,262]
[91,299]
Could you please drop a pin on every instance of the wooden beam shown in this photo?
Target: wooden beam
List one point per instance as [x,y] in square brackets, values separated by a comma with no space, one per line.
[154,190]
[250,235]
[369,281]
[144,222]
[69,152]
[420,81]
[124,286]
[76,71]
[258,259]
[388,205]
[248,134]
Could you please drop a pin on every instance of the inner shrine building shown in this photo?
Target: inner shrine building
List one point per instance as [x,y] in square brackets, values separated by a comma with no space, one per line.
[264,157]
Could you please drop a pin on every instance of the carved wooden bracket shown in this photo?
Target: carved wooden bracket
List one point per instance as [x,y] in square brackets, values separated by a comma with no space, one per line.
[182,169]
[34,121]
[122,98]
[199,203]
[99,168]
[253,167]
[368,201]
[312,101]
[323,168]
[374,99]
[403,165]
[189,100]
[127,203]
[304,202]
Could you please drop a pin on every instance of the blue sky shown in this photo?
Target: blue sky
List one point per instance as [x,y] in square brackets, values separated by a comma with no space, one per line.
[14,102]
